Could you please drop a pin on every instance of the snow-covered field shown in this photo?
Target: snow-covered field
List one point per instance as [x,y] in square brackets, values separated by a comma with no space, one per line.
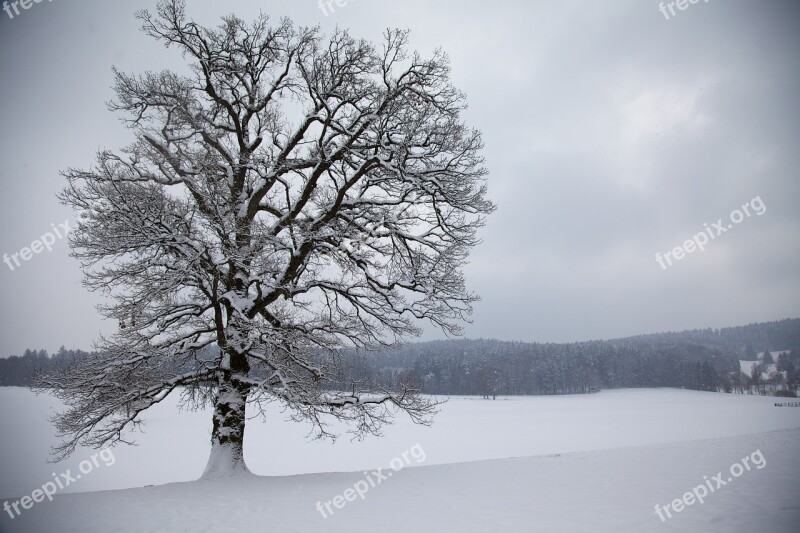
[569,463]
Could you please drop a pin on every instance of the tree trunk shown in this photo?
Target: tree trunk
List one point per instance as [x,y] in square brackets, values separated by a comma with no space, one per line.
[227,434]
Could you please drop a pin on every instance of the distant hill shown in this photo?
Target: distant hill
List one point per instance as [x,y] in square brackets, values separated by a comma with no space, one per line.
[698,359]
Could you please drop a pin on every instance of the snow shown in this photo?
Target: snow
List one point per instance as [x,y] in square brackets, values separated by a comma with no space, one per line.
[747,367]
[598,462]
[769,372]
[223,462]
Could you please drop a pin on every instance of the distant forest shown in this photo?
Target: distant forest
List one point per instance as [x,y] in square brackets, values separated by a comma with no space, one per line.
[699,359]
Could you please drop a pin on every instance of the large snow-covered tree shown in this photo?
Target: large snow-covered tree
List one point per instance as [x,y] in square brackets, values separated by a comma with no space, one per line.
[288,195]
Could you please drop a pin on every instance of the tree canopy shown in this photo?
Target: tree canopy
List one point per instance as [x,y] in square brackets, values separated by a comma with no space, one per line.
[289,195]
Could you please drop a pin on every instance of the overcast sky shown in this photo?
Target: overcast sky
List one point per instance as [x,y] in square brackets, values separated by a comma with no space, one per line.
[612,133]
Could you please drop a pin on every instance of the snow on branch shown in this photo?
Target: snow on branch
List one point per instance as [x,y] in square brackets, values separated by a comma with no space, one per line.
[293,195]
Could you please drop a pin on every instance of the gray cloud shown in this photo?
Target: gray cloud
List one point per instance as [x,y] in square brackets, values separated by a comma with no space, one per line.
[611,134]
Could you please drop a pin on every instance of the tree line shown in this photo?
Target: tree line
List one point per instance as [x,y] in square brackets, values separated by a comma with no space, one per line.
[19,371]
[705,360]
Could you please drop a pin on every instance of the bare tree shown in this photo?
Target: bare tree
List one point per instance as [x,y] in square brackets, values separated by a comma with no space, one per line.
[290,195]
